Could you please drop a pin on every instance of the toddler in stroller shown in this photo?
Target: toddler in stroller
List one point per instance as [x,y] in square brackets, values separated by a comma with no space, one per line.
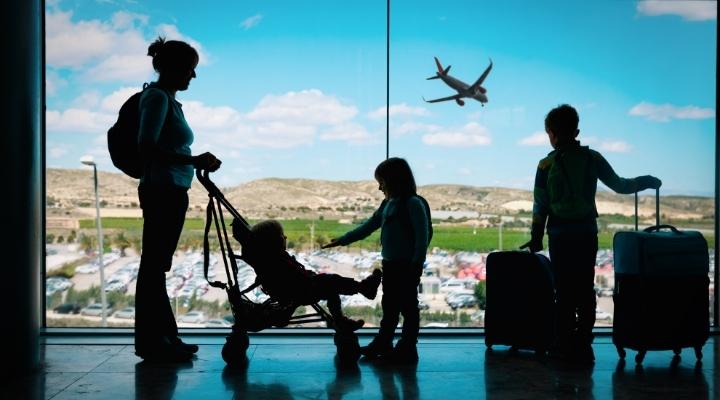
[285,279]
[287,282]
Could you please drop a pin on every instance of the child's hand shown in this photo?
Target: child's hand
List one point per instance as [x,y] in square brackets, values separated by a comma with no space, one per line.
[533,246]
[333,243]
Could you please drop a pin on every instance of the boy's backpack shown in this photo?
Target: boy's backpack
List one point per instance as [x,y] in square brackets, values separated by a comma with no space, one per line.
[123,138]
[406,215]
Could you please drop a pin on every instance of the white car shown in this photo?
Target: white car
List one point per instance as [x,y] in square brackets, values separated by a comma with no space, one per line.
[218,323]
[194,317]
[87,269]
[95,310]
[126,313]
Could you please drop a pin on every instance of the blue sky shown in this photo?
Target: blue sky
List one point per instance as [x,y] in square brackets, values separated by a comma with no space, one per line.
[297,89]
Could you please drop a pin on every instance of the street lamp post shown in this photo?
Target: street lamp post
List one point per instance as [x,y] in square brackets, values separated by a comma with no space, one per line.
[89,161]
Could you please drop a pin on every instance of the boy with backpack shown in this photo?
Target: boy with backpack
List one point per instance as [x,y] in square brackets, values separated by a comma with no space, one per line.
[564,198]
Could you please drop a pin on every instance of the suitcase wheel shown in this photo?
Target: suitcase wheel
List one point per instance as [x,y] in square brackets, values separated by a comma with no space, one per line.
[698,352]
[640,356]
[621,352]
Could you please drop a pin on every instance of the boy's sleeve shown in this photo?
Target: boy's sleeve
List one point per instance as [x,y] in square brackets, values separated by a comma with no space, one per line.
[608,176]
[153,110]
[419,222]
[541,201]
[365,229]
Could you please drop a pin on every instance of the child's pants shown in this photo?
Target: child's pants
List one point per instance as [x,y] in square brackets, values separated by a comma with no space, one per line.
[400,282]
[573,260]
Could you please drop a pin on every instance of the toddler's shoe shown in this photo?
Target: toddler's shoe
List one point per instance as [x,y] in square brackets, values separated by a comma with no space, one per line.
[369,285]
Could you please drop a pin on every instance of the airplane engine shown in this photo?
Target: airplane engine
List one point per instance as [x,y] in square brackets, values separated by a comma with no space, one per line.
[481,90]
[460,102]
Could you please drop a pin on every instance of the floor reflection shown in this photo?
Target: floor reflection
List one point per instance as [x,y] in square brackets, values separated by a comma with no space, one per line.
[157,380]
[389,376]
[235,379]
[671,381]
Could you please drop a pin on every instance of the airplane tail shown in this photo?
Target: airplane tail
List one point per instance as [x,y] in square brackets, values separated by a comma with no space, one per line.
[440,70]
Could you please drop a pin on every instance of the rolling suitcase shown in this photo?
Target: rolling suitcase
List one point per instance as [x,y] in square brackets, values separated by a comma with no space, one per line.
[520,301]
[661,296]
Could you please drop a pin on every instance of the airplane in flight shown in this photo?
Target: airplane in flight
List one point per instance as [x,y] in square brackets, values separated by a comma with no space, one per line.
[474,91]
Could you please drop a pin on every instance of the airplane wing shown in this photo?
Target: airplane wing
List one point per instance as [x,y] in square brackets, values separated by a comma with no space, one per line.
[482,77]
[454,97]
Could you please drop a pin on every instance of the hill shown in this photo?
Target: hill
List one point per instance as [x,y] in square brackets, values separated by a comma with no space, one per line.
[70,192]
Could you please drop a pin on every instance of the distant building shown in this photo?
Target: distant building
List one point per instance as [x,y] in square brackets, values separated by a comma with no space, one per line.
[62,223]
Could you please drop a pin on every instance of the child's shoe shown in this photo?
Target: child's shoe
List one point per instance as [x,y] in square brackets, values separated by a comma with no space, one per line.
[404,353]
[369,286]
[376,350]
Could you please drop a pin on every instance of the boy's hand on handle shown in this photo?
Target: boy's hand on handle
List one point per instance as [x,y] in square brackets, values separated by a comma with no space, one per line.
[533,246]
[207,161]
[333,243]
[647,182]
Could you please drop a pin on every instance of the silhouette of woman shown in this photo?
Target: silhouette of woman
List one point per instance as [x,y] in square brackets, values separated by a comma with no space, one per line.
[164,141]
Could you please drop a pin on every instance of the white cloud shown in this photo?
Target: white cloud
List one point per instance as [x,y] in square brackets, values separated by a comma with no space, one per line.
[307,106]
[689,10]
[667,112]
[251,22]
[398,110]
[538,138]
[57,151]
[413,127]
[471,134]
[112,50]
[53,82]
[615,146]
[87,100]
[74,120]
[115,100]
[351,132]
[124,68]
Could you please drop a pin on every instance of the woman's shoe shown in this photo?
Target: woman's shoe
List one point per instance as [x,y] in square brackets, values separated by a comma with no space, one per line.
[165,352]
[190,348]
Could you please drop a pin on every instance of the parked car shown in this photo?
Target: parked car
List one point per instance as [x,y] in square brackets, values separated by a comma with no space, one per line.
[436,325]
[464,301]
[194,317]
[218,323]
[67,308]
[96,310]
[127,313]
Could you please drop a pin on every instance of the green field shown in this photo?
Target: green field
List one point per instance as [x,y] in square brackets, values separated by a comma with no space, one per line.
[447,237]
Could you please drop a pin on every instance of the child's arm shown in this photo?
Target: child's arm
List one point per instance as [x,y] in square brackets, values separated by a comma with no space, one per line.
[541,207]
[419,222]
[361,232]
[622,185]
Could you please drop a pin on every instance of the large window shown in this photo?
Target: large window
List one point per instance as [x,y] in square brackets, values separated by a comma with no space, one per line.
[291,96]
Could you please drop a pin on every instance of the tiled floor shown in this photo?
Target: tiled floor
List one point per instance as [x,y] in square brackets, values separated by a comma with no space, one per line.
[456,368]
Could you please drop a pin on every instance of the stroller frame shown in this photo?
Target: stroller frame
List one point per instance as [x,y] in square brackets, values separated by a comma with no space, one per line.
[250,316]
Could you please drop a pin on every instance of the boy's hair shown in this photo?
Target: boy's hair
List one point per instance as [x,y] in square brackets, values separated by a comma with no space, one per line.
[397,177]
[563,121]
[269,235]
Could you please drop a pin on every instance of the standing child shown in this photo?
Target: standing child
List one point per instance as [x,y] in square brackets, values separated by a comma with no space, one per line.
[403,218]
[564,197]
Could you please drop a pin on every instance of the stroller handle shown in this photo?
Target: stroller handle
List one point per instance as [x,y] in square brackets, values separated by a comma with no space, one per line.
[241,227]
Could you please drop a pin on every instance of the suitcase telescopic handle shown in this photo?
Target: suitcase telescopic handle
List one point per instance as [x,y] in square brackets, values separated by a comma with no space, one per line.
[657,228]
[657,209]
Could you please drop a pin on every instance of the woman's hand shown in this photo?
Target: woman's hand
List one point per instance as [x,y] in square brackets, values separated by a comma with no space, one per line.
[333,243]
[206,161]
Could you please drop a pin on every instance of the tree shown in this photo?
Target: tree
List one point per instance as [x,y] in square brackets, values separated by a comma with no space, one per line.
[480,294]
[60,239]
[121,242]
[87,243]
[71,237]
[49,238]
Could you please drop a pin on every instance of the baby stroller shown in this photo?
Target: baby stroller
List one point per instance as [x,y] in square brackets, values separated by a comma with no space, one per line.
[251,316]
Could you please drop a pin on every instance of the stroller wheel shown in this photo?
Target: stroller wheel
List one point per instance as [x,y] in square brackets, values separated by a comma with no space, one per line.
[236,344]
[348,347]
